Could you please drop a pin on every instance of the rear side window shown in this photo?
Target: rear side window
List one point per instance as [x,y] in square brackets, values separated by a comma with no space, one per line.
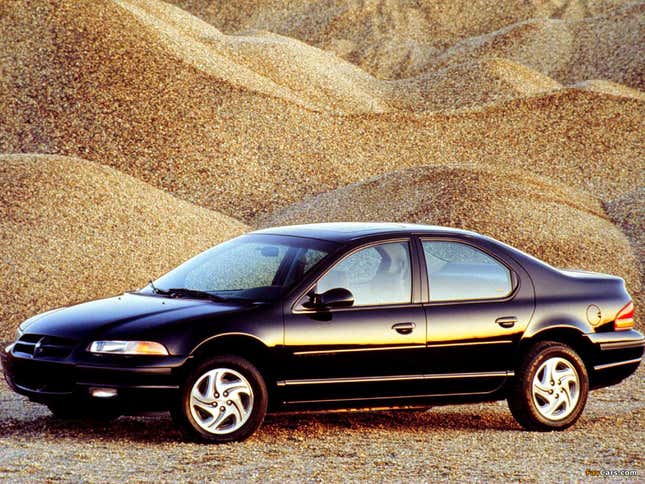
[460,272]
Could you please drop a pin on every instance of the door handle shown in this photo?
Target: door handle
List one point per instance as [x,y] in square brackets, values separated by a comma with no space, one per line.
[506,321]
[404,328]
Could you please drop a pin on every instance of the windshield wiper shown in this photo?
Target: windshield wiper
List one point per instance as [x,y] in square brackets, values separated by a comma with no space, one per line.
[156,290]
[182,291]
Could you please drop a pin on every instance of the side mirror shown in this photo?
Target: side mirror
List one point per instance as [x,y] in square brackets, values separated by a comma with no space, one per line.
[337,297]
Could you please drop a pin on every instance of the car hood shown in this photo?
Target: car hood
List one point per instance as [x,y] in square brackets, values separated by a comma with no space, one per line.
[134,311]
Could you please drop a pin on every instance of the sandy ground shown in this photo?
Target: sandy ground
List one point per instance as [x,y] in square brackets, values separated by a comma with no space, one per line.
[456,443]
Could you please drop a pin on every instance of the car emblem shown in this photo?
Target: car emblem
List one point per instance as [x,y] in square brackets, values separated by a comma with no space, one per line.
[38,348]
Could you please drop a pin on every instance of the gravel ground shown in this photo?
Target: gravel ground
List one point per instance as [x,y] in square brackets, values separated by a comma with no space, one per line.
[473,442]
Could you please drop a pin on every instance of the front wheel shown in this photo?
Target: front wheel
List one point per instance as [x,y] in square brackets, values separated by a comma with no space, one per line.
[550,389]
[224,399]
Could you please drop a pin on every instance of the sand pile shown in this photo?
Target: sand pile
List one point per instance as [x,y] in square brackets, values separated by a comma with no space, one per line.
[260,61]
[398,39]
[628,213]
[468,84]
[71,230]
[587,139]
[113,85]
[165,97]
[565,227]
[246,121]
[607,46]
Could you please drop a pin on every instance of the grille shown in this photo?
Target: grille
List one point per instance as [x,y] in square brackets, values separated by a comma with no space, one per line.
[40,346]
[43,376]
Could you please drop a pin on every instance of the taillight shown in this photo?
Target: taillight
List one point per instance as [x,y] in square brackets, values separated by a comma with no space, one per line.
[625,317]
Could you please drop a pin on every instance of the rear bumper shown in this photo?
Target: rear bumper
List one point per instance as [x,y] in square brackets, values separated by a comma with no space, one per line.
[614,356]
[140,383]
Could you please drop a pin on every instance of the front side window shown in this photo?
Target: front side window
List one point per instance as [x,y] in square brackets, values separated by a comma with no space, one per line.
[377,275]
[460,272]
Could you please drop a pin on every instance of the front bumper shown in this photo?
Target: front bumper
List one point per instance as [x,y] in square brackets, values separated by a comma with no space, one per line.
[614,356]
[141,383]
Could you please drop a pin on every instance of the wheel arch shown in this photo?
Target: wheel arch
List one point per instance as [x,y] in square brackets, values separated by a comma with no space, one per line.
[244,345]
[569,334]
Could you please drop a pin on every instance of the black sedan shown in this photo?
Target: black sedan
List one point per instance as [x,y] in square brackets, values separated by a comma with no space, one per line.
[332,316]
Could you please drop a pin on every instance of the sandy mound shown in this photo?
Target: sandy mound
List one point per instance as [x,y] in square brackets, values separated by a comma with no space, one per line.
[586,139]
[468,84]
[612,88]
[564,227]
[249,122]
[263,63]
[226,122]
[393,39]
[628,212]
[606,47]
[280,66]
[260,61]
[71,230]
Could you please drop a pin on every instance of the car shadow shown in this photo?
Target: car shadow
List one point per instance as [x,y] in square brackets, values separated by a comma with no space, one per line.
[411,420]
[144,429]
[161,429]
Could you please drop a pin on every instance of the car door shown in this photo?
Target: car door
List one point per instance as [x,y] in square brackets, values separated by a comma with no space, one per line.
[478,307]
[372,349]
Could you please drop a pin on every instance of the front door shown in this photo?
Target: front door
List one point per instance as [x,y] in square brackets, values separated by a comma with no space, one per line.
[479,306]
[372,349]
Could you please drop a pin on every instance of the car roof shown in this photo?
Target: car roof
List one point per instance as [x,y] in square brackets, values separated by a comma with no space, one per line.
[350,231]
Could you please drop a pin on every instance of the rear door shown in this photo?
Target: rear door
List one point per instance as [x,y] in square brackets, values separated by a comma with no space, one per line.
[479,305]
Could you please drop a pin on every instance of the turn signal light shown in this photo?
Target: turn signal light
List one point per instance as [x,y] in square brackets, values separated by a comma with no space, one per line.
[625,317]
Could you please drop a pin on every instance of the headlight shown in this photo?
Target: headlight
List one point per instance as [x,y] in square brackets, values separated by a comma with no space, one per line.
[19,333]
[128,348]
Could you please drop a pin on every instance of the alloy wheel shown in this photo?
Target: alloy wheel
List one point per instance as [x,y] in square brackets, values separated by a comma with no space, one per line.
[556,388]
[221,401]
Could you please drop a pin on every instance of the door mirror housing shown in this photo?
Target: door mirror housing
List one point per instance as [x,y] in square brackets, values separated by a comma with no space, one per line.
[337,297]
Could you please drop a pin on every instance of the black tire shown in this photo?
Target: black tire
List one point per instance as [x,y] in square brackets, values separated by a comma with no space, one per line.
[191,429]
[521,400]
[76,410]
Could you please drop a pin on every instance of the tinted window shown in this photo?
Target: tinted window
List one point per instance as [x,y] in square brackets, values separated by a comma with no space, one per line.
[458,272]
[376,275]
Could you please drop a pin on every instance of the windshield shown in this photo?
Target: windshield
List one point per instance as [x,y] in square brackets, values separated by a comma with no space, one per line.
[256,267]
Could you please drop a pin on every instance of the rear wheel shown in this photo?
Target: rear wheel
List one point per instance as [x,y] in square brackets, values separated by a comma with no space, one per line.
[550,390]
[224,399]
